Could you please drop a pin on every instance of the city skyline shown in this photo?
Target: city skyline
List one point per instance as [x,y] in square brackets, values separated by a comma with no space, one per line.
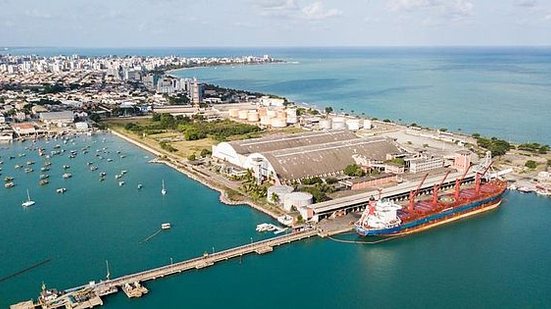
[169,23]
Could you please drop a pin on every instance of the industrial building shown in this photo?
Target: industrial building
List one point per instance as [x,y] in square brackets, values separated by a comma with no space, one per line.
[287,158]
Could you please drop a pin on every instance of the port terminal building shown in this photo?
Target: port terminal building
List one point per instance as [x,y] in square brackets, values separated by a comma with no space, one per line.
[284,159]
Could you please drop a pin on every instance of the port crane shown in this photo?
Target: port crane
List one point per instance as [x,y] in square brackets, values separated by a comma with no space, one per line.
[414,193]
[436,189]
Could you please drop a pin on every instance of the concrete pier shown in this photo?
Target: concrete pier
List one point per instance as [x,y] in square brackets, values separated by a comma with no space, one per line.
[95,290]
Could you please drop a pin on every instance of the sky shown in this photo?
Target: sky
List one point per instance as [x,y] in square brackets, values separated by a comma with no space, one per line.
[210,23]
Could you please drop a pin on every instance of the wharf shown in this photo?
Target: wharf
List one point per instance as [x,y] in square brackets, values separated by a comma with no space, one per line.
[94,291]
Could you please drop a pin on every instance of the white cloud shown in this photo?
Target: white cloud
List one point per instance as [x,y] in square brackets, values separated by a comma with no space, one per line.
[456,9]
[317,11]
[291,9]
[34,13]
[526,3]
[277,4]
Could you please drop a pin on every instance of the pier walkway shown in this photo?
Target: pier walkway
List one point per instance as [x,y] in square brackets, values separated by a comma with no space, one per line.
[206,260]
[93,291]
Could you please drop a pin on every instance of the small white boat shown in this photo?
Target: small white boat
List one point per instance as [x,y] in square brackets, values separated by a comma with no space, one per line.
[61,190]
[163,190]
[67,175]
[140,186]
[165,226]
[121,183]
[124,172]
[28,202]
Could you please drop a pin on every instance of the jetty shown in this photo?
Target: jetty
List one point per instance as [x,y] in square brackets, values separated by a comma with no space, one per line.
[89,295]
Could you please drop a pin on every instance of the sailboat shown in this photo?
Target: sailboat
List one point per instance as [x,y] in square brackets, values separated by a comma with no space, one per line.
[163,190]
[29,202]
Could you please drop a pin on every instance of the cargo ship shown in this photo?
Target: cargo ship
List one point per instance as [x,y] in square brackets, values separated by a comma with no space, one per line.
[386,218]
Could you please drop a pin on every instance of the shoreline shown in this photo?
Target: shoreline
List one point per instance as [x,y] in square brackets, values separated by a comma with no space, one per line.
[190,174]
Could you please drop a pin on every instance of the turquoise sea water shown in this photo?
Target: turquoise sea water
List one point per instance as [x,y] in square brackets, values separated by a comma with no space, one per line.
[496,92]
[498,259]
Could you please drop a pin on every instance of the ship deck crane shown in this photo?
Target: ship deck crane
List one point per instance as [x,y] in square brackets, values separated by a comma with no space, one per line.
[459,181]
[479,176]
[436,189]
[413,194]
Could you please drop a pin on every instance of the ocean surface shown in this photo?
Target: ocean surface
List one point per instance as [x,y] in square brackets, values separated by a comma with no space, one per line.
[498,259]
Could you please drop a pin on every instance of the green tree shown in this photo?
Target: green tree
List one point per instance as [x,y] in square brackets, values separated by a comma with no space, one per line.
[205,152]
[354,170]
[94,117]
[192,157]
[328,110]
[531,164]
[275,198]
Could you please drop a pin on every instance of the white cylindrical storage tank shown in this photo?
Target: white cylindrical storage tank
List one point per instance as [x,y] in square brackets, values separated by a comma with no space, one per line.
[367,124]
[243,114]
[278,123]
[271,113]
[262,111]
[234,112]
[297,199]
[265,121]
[338,123]
[325,124]
[252,116]
[353,124]
[292,120]
[280,191]
[291,112]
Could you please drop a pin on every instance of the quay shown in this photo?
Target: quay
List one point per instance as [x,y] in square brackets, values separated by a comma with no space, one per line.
[89,295]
